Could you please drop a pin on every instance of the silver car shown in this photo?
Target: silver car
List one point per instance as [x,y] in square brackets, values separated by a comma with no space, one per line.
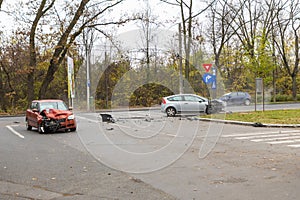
[189,103]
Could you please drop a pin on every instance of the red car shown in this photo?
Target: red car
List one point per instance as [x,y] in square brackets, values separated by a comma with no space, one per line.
[50,116]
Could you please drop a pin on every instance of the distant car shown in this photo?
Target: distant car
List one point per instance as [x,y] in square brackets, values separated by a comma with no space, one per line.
[189,103]
[50,116]
[236,98]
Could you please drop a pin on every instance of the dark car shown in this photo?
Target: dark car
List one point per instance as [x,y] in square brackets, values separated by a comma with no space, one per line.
[50,116]
[236,98]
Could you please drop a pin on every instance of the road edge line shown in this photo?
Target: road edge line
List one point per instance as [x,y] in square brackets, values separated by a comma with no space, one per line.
[15,132]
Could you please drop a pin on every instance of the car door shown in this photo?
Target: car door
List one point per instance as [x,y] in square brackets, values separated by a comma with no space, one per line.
[193,103]
[32,114]
[234,99]
[242,97]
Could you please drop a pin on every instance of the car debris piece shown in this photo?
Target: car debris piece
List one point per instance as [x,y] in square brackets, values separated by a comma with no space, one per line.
[107,118]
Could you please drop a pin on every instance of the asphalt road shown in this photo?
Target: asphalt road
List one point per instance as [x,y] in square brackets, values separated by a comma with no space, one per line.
[145,155]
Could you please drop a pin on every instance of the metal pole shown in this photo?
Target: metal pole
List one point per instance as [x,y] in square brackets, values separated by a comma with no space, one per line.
[180,60]
[87,79]
[263,95]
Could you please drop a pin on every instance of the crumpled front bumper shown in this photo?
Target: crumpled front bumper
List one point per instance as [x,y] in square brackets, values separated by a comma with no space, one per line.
[53,125]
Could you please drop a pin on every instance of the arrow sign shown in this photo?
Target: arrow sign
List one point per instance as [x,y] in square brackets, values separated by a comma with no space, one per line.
[207,67]
[208,78]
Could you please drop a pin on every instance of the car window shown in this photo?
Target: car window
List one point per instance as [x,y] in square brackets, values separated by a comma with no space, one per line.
[61,106]
[34,105]
[234,94]
[53,105]
[175,98]
[192,98]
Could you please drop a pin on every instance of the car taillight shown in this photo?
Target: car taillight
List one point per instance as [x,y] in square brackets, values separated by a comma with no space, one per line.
[163,101]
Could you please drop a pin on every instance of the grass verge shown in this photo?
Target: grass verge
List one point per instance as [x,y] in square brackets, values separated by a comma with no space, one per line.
[265,117]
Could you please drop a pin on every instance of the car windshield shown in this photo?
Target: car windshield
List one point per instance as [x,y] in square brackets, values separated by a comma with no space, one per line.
[53,105]
[227,94]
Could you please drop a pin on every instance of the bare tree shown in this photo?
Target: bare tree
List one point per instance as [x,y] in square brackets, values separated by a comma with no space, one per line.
[220,30]
[253,24]
[287,42]
[42,9]
[187,16]
[74,29]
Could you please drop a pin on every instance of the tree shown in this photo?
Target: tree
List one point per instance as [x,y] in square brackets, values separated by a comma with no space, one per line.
[187,16]
[253,27]
[73,30]
[220,31]
[43,8]
[288,23]
[1,1]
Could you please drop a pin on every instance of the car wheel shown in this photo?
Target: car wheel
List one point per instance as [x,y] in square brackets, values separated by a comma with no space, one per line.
[209,110]
[41,129]
[28,127]
[247,102]
[171,112]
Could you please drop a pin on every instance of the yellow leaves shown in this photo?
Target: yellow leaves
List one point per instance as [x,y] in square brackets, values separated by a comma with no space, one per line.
[43,66]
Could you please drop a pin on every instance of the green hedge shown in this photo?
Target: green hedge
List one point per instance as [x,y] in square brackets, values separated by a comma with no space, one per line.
[285,97]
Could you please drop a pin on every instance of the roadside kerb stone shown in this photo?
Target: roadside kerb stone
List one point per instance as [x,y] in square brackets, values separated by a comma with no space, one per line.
[255,124]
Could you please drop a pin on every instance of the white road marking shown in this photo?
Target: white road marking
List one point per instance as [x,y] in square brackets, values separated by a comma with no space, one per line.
[267,136]
[276,138]
[171,135]
[284,142]
[15,132]
[91,120]
[294,145]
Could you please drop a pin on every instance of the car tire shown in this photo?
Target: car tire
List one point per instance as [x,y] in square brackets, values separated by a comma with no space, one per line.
[28,127]
[247,102]
[208,110]
[171,112]
[40,129]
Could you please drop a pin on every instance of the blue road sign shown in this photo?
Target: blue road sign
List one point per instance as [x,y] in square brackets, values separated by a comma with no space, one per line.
[214,84]
[208,78]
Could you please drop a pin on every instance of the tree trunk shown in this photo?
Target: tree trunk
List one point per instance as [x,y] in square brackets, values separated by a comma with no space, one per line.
[48,79]
[2,92]
[32,61]
[294,87]
[61,49]
[32,66]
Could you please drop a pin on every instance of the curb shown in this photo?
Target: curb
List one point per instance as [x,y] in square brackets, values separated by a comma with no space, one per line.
[254,124]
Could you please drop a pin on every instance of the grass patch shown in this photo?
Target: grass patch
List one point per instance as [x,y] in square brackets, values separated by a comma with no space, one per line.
[265,117]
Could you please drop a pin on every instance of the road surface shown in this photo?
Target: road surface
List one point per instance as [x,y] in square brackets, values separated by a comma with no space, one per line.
[145,155]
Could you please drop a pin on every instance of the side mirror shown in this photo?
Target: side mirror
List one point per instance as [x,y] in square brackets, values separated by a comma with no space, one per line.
[70,108]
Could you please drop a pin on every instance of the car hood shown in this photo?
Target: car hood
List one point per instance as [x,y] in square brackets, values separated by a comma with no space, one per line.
[57,114]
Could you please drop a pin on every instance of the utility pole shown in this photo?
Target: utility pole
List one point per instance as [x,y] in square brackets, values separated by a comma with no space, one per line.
[88,82]
[180,60]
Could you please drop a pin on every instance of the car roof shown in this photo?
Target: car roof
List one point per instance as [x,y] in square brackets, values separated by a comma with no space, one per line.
[183,95]
[48,100]
[186,95]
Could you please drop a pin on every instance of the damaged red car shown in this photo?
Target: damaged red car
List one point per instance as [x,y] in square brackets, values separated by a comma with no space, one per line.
[50,116]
